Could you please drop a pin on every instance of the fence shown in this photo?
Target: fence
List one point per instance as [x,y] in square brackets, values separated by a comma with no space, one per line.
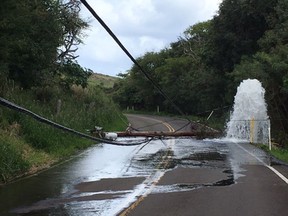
[253,130]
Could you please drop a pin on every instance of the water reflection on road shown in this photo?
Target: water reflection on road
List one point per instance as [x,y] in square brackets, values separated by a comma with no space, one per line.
[85,186]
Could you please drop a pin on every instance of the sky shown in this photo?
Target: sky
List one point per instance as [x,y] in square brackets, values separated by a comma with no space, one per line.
[141,25]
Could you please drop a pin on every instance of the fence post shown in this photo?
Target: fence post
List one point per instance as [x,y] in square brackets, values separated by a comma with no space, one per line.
[210,115]
[58,110]
[252,125]
[269,134]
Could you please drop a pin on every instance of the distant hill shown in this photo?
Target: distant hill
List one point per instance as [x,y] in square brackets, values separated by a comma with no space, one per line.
[105,81]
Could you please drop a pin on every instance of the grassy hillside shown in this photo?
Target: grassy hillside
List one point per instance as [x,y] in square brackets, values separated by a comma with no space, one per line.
[102,80]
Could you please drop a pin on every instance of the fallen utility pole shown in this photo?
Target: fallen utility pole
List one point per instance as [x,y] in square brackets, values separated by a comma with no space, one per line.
[197,134]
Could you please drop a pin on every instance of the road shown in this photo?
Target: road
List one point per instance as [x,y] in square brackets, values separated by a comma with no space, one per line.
[182,176]
[217,177]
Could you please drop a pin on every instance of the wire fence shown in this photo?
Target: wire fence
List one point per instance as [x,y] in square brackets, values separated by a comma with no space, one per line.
[253,130]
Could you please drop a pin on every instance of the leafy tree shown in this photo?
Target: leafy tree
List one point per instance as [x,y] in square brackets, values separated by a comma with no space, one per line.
[203,86]
[127,94]
[173,81]
[195,40]
[236,30]
[140,91]
[71,73]
[31,35]
[72,27]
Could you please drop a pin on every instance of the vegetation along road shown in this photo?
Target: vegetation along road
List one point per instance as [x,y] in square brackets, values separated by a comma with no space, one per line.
[182,176]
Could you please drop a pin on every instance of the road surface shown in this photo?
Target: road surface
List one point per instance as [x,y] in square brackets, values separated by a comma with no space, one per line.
[217,177]
[181,176]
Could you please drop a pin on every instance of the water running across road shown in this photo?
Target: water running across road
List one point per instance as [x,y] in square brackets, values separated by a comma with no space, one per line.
[106,180]
[74,188]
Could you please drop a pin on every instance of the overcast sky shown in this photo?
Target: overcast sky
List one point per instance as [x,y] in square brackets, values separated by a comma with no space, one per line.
[141,25]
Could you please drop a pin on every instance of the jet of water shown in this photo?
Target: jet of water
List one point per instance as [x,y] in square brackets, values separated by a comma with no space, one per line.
[249,120]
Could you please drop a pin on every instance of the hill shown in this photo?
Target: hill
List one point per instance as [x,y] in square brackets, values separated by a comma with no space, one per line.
[106,81]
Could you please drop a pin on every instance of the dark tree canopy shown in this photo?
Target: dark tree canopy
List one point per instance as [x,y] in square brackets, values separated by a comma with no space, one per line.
[236,30]
[36,38]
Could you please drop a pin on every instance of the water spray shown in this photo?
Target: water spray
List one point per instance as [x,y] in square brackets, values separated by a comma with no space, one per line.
[249,120]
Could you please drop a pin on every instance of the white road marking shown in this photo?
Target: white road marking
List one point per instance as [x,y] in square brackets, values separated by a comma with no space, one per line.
[281,176]
[150,183]
[278,174]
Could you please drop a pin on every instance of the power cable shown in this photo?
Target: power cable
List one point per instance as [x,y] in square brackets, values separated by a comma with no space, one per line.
[39,118]
[131,57]
[188,123]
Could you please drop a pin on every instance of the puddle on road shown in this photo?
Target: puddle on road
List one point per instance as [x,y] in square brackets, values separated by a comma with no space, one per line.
[193,159]
[85,194]
[183,187]
[146,164]
[199,159]
[209,156]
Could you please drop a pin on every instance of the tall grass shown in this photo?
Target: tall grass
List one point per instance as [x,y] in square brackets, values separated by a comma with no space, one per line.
[11,160]
[81,110]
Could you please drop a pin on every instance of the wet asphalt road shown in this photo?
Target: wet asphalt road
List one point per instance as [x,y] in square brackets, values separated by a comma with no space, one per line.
[217,177]
[165,177]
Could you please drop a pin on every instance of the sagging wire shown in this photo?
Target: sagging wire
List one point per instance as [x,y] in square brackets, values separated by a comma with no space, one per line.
[39,118]
[144,145]
[188,123]
[130,163]
[110,32]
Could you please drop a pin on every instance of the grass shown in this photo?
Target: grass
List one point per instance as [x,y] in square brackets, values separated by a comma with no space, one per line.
[279,153]
[27,146]
[12,162]
[104,81]
[18,158]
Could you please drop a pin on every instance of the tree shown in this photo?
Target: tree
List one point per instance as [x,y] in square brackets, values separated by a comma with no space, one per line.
[31,33]
[29,37]
[195,40]
[72,27]
[146,91]
[236,30]
[71,73]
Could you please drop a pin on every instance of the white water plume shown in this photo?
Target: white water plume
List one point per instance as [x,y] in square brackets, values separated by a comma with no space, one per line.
[249,120]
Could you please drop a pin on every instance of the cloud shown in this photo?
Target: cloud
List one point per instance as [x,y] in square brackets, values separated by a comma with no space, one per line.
[141,26]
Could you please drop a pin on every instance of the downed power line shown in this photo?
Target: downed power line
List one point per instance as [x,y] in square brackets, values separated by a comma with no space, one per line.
[39,118]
